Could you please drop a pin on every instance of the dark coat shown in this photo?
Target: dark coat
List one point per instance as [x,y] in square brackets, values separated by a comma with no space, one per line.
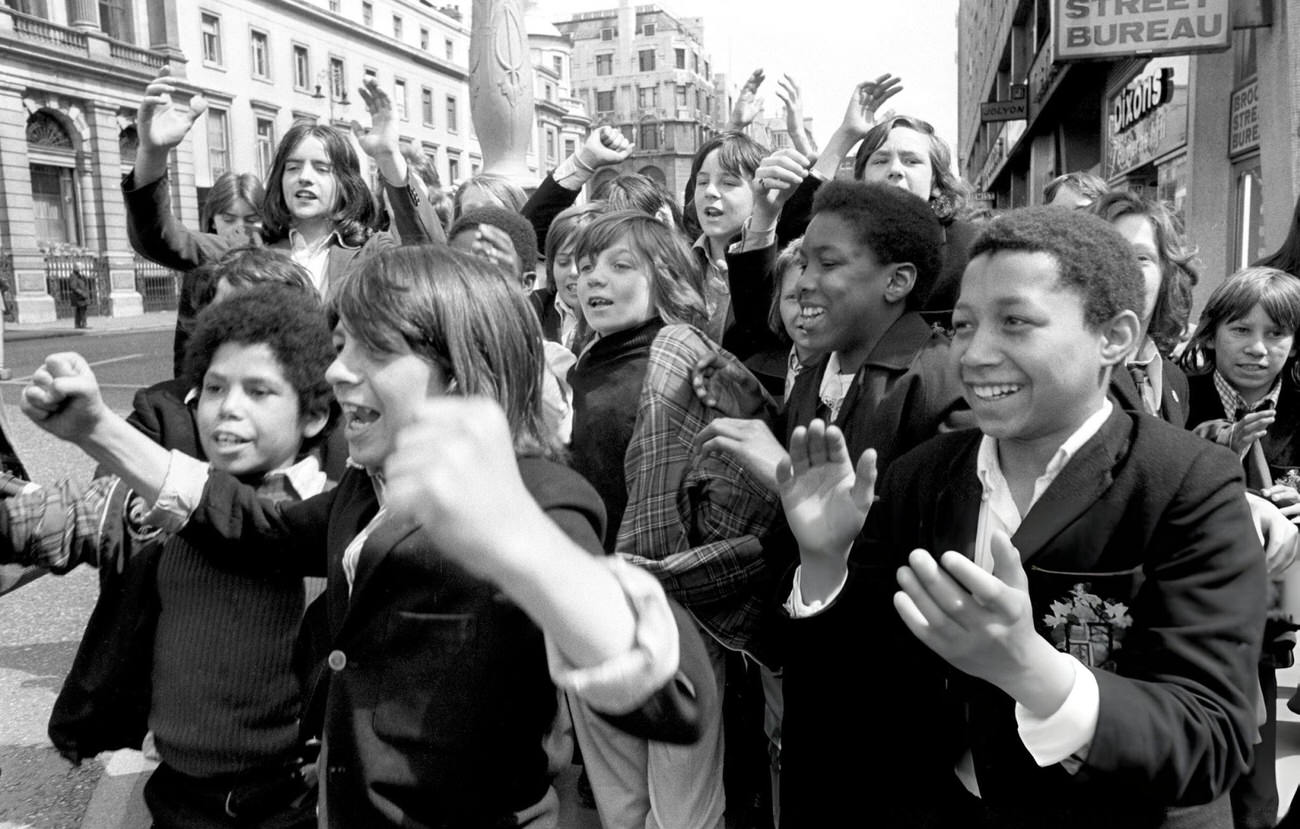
[1145,514]
[1282,441]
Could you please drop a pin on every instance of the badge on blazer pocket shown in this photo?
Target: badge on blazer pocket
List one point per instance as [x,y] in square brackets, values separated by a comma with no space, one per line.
[1086,615]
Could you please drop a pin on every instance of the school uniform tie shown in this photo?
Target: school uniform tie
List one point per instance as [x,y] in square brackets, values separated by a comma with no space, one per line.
[1146,390]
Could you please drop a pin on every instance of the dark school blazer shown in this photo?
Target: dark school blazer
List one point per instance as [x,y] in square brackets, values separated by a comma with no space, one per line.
[437,692]
[1282,440]
[1174,394]
[1145,516]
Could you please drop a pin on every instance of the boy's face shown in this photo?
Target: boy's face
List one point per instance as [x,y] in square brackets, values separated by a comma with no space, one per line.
[841,290]
[902,161]
[614,290]
[1029,365]
[1141,234]
[308,182]
[247,415]
[791,311]
[379,393]
[723,199]
[1250,352]
[565,270]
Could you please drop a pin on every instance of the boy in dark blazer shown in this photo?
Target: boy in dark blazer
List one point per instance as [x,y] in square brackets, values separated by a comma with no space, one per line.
[1083,653]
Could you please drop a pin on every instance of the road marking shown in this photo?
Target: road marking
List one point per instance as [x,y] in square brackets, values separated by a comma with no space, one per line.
[123,358]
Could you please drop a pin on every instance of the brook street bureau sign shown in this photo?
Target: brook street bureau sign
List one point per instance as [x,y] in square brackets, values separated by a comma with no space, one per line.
[1086,29]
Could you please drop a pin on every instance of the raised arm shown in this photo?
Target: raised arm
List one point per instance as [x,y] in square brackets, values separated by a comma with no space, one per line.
[604,147]
[411,211]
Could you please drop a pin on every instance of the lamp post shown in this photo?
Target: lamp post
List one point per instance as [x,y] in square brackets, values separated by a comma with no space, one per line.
[323,81]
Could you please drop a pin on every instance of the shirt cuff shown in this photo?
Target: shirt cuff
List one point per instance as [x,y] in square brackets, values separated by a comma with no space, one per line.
[181,491]
[622,684]
[570,175]
[1065,735]
[798,609]
[752,238]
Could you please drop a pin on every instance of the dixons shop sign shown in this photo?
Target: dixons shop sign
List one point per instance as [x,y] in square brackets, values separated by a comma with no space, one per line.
[1085,29]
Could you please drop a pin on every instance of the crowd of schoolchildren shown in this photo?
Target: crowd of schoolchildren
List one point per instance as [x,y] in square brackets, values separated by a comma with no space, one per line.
[808,501]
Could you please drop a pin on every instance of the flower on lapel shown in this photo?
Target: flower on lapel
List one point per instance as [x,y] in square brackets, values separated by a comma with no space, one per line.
[1087,626]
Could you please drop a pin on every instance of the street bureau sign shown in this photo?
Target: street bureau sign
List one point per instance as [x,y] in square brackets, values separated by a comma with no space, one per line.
[1086,29]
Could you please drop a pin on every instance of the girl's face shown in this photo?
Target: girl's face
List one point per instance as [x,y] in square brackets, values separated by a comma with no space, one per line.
[239,223]
[308,183]
[565,269]
[378,393]
[790,309]
[1250,351]
[723,199]
[1141,234]
[614,290]
[902,161]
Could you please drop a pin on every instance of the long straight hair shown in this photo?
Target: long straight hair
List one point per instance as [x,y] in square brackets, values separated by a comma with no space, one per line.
[353,213]
[1276,291]
[459,312]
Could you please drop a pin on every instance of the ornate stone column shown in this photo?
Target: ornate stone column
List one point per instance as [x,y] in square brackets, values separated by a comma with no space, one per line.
[83,15]
[501,88]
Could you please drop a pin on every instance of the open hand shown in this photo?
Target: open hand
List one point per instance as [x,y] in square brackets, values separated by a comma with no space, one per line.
[865,102]
[750,443]
[161,123]
[787,89]
[748,104]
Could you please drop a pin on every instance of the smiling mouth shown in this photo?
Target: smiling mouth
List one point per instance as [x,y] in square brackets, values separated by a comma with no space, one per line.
[712,213]
[225,440]
[304,194]
[810,313]
[598,302]
[993,391]
[358,416]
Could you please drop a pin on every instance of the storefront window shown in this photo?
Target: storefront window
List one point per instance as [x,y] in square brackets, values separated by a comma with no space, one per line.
[1171,184]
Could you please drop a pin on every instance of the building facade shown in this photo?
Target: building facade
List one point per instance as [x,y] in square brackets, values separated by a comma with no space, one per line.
[647,73]
[1213,133]
[74,71]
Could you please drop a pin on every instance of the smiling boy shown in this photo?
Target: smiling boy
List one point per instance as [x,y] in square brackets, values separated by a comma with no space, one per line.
[1083,653]
[211,674]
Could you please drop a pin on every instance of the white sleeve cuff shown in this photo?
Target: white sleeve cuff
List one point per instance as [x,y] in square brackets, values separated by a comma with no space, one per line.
[570,175]
[622,684]
[799,609]
[181,491]
[1065,735]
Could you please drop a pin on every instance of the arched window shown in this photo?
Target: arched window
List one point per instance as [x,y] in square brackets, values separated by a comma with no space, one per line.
[53,163]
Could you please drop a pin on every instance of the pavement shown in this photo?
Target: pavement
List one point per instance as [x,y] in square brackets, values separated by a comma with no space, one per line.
[150,321]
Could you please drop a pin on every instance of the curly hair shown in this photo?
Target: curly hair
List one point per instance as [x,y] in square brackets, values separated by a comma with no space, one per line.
[354,212]
[246,267]
[896,225]
[1274,290]
[1178,269]
[296,331]
[456,310]
[1092,258]
[677,286]
[520,230]
[949,193]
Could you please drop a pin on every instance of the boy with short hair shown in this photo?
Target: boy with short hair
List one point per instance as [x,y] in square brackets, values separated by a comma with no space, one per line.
[200,657]
[1084,652]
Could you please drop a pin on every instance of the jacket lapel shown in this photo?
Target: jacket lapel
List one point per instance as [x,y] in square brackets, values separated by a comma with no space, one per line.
[1076,489]
[382,541]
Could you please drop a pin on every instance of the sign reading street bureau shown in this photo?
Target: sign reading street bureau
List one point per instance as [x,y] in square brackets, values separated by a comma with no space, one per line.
[1085,29]
[1243,134]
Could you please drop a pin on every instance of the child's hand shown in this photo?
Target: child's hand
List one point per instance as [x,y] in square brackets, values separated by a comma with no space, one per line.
[748,103]
[826,503]
[495,245]
[63,397]
[1249,429]
[603,147]
[162,124]
[1276,527]
[749,443]
[454,472]
[723,384]
[982,623]
[867,98]
[790,94]
[775,180]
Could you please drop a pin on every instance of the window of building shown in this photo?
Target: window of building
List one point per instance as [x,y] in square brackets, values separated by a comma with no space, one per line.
[54,205]
[259,59]
[424,38]
[453,169]
[570,146]
[115,20]
[218,141]
[399,98]
[265,146]
[647,58]
[649,137]
[449,48]
[679,58]
[699,99]
[605,101]
[426,106]
[557,63]
[368,13]
[369,73]
[647,97]
[210,24]
[695,63]
[453,123]
[648,30]
[550,92]
[36,8]
[397,27]
[706,69]
[605,64]
[334,5]
[629,132]
[550,146]
[301,67]
[682,100]
[608,34]
[338,80]
[474,167]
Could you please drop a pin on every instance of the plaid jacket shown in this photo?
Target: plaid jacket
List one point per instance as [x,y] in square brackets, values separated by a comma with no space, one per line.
[694,521]
[61,526]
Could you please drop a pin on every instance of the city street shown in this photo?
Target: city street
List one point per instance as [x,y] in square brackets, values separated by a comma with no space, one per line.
[41,623]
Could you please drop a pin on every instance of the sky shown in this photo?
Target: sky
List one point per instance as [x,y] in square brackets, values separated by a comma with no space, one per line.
[827,46]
